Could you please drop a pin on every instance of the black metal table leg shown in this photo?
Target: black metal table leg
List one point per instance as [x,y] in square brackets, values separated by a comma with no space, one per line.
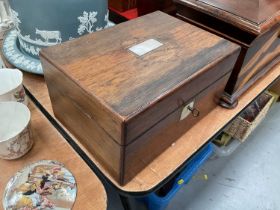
[125,202]
[132,203]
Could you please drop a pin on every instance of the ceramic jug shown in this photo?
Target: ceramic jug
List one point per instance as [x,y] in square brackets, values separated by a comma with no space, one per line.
[43,23]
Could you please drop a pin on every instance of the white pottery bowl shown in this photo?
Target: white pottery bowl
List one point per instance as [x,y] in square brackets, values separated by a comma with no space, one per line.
[11,88]
[15,138]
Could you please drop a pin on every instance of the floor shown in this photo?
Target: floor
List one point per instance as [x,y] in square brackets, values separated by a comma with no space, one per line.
[247,179]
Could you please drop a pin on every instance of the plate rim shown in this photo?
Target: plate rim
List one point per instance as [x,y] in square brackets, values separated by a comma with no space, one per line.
[11,36]
[19,172]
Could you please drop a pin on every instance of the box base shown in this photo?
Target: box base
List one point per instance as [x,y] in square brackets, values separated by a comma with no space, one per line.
[227,101]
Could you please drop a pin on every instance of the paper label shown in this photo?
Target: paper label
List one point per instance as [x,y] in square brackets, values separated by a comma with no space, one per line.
[145,47]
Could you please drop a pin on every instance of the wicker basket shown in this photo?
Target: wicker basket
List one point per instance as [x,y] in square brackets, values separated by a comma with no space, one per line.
[241,128]
[275,88]
[275,96]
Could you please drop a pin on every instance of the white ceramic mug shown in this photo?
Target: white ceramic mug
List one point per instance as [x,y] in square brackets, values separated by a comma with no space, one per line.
[11,88]
[15,133]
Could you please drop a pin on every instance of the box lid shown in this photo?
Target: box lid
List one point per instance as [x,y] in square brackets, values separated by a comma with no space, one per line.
[171,53]
[255,16]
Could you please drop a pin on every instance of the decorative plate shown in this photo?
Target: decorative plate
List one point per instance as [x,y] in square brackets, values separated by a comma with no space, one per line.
[12,52]
[42,185]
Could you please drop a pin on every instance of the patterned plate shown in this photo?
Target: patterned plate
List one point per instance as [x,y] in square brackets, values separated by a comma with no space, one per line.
[11,51]
[45,184]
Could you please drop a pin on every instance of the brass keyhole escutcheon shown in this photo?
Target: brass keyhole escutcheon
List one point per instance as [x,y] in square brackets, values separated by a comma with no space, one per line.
[189,109]
[195,112]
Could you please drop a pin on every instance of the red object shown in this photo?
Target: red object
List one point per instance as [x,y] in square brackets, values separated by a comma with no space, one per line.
[122,5]
[129,14]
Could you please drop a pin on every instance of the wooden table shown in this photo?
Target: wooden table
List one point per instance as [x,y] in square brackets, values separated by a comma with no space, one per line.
[50,145]
[170,162]
[174,157]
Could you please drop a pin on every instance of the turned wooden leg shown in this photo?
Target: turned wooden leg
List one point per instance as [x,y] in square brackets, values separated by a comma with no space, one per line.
[227,101]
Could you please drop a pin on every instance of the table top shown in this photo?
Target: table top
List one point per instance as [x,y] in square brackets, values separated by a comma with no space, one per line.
[50,145]
[252,15]
[176,156]
[165,164]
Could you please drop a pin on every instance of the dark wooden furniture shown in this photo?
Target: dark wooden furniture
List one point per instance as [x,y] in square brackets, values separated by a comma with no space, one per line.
[148,6]
[127,108]
[253,24]
[122,5]
[115,17]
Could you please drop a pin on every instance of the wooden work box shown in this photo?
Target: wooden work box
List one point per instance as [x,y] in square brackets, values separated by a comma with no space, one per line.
[253,24]
[130,91]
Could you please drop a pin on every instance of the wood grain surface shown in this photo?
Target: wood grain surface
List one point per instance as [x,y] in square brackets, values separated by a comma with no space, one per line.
[260,57]
[119,89]
[124,162]
[101,64]
[147,6]
[143,151]
[254,16]
[103,92]
[260,51]
[50,145]
[166,163]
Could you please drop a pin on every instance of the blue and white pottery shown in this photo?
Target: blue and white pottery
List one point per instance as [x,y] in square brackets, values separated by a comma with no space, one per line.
[44,23]
[11,51]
